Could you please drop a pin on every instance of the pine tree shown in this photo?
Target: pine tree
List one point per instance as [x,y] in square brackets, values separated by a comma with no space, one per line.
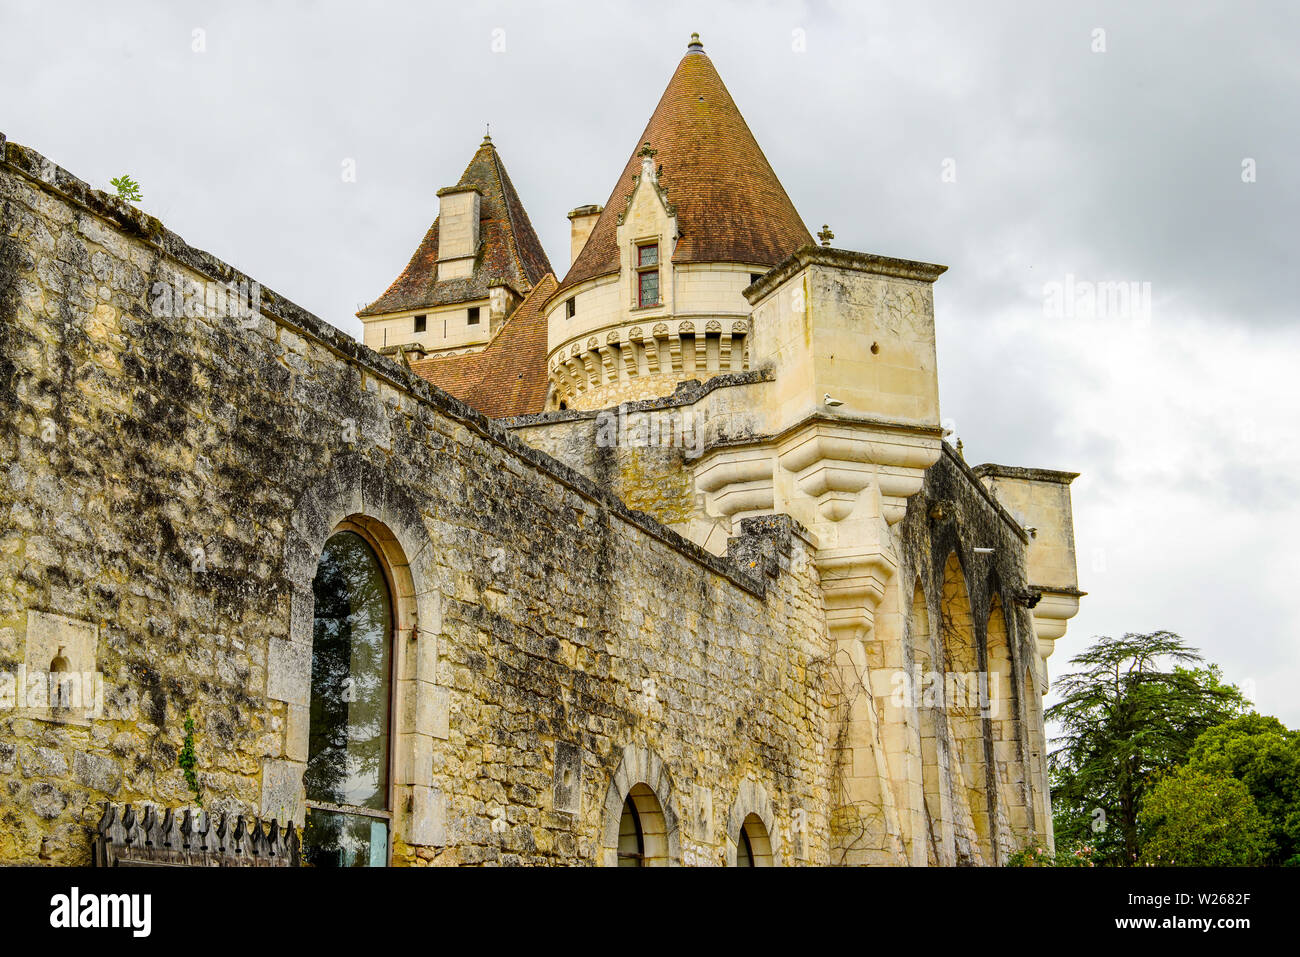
[1134,709]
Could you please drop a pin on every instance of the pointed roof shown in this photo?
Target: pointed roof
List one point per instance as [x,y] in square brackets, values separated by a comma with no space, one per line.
[509,250]
[508,377]
[730,205]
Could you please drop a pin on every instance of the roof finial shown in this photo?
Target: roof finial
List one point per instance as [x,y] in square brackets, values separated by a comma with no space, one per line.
[826,235]
[487,135]
[695,46]
[648,170]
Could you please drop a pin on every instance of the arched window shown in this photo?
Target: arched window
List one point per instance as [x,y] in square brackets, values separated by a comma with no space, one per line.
[348,766]
[642,831]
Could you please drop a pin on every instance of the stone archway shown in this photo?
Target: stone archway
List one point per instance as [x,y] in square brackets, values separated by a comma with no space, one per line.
[355,495]
[752,810]
[641,776]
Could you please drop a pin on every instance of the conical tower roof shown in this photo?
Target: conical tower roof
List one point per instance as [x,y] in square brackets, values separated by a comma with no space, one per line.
[509,250]
[730,205]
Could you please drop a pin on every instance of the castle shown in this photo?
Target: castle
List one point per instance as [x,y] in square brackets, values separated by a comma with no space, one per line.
[661,561]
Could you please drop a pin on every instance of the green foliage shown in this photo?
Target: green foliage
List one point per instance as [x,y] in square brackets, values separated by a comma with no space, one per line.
[127,188]
[1133,709]
[188,761]
[1192,818]
[1263,755]
[1037,855]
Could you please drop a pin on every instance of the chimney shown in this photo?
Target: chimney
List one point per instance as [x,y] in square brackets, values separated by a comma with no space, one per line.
[583,220]
[458,234]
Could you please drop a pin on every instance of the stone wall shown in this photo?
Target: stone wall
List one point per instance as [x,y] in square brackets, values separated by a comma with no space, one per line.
[166,482]
[645,451]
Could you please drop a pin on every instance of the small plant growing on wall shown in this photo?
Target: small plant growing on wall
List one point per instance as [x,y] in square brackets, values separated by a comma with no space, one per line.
[127,188]
[188,761]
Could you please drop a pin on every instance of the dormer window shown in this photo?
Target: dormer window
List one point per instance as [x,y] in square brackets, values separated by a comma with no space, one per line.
[647,274]
[420,323]
[473,316]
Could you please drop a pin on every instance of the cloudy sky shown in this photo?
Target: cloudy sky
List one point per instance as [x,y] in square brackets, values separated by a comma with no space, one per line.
[1020,144]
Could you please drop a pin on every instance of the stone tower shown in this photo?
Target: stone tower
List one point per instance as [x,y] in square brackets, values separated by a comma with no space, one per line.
[476,264]
[655,295]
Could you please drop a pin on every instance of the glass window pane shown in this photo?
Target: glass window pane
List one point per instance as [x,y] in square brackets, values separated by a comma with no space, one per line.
[649,288]
[347,760]
[330,839]
[648,255]
[630,849]
[744,853]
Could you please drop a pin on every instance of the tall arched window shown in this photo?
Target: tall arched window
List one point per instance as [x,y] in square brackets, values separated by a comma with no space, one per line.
[348,766]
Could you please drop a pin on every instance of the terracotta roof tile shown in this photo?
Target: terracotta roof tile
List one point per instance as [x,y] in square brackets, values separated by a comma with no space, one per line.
[509,250]
[730,205]
[508,377]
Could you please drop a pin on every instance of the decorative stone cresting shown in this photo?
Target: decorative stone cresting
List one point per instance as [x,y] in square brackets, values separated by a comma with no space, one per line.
[131,836]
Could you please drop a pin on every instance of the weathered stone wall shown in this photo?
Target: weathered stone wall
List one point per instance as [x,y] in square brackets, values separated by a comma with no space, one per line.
[645,451]
[954,525]
[163,481]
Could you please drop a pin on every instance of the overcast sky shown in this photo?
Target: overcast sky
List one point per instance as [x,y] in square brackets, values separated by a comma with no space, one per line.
[1012,142]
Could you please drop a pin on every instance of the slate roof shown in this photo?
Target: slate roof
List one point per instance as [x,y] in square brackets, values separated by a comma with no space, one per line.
[509,250]
[730,205]
[508,377]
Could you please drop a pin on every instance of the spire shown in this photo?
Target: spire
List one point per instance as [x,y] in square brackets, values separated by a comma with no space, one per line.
[730,205]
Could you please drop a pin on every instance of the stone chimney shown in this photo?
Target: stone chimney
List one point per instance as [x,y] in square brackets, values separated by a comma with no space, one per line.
[458,233]
[582,220]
